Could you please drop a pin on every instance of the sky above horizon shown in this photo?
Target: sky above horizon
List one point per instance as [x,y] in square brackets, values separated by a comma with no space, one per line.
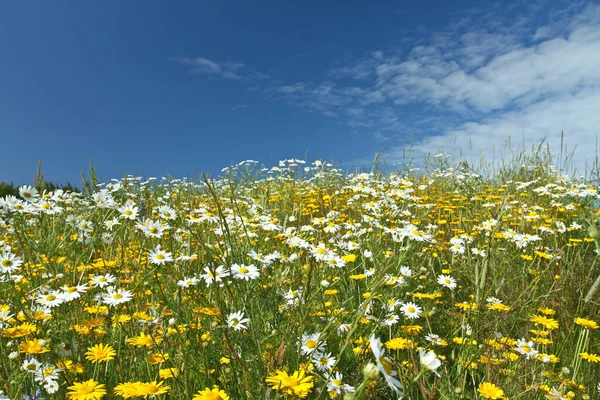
[155,88]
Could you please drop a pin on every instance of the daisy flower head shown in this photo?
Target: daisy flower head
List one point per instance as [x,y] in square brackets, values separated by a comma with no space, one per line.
[215,275]
[29,193]
[51,299]
[337,385]
[526,348]
[129,212]
[405,271]
[429,361]
[237,321]
[390,320]
[488,390]
[211,394]
[166,212]
[9,263]
[586,323]
[447,281]
[299,384]
[245,272]
[152,228]
[31,365]
[312,343]
[114,298]
[100,353]
[187,282]
[159,256]
[411,310]
[88,390]
[102,280]
[323,362]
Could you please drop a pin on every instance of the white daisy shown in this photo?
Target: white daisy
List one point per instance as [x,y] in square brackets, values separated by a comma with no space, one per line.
[159,256]
[411,310]
[117,297]
[236,321]
[447,281]
[245,272]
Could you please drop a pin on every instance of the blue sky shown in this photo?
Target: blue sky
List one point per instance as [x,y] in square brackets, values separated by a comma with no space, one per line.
[175,87]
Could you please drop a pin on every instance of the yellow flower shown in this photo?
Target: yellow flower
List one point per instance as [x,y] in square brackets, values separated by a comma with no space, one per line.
[548,323]
[144,340]
[399,343]
[167,373]
[358,277]
[33,347]
[586,323]
[157,358]
[24,329]
[297,384]
[349,257]
[127,390]
[498,307]
[430,296]
[88,390]
[153,388]
[140,389]
[546,311]
[211,394]
[411,329]
[490,391]
[100,353]
[595,358]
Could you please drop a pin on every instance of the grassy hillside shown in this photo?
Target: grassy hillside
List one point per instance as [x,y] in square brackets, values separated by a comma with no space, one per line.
[301,281]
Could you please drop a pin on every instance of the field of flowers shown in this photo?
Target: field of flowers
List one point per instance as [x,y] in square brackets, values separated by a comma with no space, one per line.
[300,281]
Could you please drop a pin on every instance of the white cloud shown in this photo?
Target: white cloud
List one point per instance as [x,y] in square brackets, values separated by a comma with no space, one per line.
[526,74]
[574,114]
[477,87]
[201,65]
[226,70]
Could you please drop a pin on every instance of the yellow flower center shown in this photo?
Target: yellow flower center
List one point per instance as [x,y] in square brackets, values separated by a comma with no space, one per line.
[85,389]
[289,381]
[243,270]
[117,296]
[311,344]
[7,263]
[386,365]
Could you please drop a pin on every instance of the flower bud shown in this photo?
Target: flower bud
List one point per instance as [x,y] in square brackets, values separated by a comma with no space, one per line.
[371,372]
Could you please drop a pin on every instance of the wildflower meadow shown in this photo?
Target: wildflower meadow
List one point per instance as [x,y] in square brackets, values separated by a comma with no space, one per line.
[301,281]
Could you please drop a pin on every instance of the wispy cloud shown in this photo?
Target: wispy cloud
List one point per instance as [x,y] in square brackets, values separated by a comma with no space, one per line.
[529,73]
[472,86]
[225,70]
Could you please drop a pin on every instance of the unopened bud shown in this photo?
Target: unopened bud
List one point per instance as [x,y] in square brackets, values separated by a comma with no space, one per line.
[371,372]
